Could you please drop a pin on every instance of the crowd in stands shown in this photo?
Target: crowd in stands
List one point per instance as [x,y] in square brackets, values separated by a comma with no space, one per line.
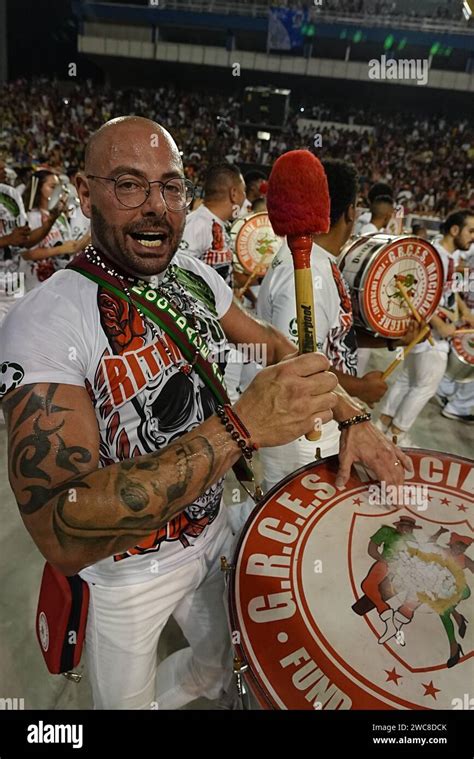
[428,161]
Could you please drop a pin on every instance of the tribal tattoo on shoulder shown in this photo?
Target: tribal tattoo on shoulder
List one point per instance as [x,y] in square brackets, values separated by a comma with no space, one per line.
[31,453]
[115,505]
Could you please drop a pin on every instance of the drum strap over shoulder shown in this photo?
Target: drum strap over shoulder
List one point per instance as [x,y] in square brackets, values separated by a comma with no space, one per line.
[167,316]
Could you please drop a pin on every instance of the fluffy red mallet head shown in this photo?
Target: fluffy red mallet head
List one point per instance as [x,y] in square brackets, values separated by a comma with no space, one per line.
[298,200]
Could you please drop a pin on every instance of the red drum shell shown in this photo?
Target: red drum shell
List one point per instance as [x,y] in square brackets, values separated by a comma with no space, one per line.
[369,265]
[304,596]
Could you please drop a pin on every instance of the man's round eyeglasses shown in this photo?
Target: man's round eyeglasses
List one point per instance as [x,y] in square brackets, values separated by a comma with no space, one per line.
[133,191]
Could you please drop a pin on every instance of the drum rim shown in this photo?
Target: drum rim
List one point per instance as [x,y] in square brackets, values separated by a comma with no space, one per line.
[259,691]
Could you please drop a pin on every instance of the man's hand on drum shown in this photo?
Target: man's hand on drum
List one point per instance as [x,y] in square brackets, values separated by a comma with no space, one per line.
[414,329]
[365,444]
[288,400]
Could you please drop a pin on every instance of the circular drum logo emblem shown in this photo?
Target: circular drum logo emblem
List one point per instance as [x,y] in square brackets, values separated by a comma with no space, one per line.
[418,267]
[43,630]
[344,601]
[256,243]
[464,347]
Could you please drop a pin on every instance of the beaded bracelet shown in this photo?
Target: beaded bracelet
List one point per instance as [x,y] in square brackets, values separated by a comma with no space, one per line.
[354,420]
[237,430]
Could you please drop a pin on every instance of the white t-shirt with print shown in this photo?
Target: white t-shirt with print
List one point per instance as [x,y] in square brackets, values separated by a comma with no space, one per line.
[335,338]
[205,237]
[37,272]
[12,214]
[369,229]
[80,224]
[141,399]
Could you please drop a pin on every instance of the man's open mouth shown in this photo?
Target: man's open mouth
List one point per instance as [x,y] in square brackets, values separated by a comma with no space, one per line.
[149,239]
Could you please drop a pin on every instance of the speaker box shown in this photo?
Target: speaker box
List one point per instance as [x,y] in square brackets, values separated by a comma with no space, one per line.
[266,106]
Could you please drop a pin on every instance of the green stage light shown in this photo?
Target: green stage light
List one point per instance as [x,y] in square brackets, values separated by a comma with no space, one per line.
[388,42]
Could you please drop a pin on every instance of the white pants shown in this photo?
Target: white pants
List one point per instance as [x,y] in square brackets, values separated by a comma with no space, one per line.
[363,357]
[460,395]
[125,624]
[282,460]
[416,383]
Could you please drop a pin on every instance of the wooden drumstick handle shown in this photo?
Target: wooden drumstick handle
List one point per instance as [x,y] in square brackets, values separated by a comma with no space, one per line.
[464,331]
[250,278]
[407,350]
[300,246]
[403,291]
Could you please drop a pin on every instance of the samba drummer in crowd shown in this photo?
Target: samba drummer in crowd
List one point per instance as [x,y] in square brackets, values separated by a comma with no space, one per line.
[377,190]
[334,323]
[457,398]
[381,212]
[205,234]
[16,235]
[56,247]
[425,366]
[146,452]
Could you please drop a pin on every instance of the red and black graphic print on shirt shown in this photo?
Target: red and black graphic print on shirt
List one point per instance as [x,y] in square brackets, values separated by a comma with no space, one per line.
[341,348]
[144,403]
[219,255]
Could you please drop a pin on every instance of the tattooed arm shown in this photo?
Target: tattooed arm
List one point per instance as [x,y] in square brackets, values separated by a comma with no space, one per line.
[78,514]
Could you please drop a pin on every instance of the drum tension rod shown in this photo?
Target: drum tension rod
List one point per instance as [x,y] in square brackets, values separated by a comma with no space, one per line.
[239,669]
[75,677]
[225,566]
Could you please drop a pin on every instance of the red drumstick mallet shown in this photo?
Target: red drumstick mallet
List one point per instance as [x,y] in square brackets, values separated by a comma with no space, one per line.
[299,206]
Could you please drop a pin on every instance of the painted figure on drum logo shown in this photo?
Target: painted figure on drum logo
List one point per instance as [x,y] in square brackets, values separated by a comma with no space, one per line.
[418,572]
[377,586]
[409,282]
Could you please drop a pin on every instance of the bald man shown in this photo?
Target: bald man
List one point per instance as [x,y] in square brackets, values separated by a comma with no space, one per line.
[116,453]
[117,456]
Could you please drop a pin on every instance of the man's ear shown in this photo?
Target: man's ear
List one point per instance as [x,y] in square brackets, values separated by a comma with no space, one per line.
[83,191]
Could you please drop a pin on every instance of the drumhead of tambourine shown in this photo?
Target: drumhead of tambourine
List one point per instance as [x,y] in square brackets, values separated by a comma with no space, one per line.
[312,610]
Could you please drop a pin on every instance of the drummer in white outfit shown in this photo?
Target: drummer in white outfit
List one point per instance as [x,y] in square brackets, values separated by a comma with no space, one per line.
[334,323]
[457,398]
[425,366]
[375,191]
[382,211]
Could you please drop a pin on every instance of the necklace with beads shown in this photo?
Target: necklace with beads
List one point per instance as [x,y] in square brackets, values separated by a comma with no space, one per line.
[185,367]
